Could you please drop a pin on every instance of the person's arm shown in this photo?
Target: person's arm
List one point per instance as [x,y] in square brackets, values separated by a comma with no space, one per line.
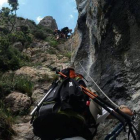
[125,110]
[107,115]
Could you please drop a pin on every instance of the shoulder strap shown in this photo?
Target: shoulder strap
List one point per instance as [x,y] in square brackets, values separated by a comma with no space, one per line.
[57,95]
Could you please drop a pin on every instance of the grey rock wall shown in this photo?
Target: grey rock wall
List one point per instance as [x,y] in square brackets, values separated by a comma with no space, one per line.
[110,44]
[109,51]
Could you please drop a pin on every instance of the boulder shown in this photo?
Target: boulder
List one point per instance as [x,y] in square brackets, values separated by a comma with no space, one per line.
[17,102]
[35,73]
[48,22]
[24,131]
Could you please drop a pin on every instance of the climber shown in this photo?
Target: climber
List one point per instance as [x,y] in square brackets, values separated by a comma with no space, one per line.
[72,113]
[69,112]
[65,31]
[101,114]
[57,34]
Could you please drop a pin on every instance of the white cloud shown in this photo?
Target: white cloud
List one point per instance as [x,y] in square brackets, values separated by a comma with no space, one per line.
[38,19]
[71,16]
[3,2]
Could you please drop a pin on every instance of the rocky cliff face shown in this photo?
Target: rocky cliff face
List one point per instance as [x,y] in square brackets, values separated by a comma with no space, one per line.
[48,22]
[109,47]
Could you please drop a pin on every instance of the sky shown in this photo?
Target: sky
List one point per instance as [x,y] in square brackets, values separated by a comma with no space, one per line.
[63,11]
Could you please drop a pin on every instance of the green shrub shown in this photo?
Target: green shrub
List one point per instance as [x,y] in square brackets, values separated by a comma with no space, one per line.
[9,82]
[5,89]
[17,37]
[6,85]
[53,43]
[68,54]
[32,21]
[24,29]
[23,84]
[49,38]
[39,34]
[20,18]
[4,30]
[20,36]
[45,29]
[49,31]
[48,79]
[6,121]
[45,78]
[11,59]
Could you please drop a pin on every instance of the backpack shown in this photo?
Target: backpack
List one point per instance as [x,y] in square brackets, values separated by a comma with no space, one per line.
[65,30]
[64,113]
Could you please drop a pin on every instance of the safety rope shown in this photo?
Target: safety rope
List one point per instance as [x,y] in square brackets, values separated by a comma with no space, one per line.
[71,42]
[71,49]
[99,87]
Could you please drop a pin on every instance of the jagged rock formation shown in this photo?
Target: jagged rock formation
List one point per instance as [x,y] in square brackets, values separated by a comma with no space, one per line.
[109,33]
[48,22]
[25,22]
[109,47]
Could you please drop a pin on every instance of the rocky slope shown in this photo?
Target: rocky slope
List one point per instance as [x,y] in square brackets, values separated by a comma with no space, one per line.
[108,47]
[23,88]
[106,42]
[42,76]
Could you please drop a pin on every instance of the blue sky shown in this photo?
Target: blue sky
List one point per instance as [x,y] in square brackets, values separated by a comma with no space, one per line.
[63,11]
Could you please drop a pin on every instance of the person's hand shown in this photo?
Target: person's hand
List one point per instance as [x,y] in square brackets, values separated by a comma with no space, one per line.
[126,110]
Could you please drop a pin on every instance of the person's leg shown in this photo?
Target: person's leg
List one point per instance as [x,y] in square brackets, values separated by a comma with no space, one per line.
[57,37]
[95,109]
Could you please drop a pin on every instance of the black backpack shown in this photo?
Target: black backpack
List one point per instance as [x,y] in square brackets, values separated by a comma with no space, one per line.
[65,30]
[67,95]
[70,96]
[62,113]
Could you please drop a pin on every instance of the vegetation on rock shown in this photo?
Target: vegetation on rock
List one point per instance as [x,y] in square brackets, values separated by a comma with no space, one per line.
[10,58]
[16,36]
[9,82]
[6,121]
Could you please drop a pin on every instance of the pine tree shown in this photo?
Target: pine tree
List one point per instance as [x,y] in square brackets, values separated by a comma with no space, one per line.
[14,4]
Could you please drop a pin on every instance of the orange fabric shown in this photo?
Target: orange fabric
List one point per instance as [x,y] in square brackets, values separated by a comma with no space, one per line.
[88,91]
[72,73]
[62,74]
